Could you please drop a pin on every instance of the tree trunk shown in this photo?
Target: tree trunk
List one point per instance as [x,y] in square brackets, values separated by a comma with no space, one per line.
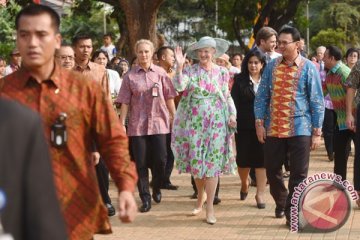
[237,28]
[265,13]
[277,16]
[141,18]
[283,16]
[122,43]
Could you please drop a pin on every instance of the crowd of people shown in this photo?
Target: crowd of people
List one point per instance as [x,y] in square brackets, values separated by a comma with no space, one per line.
[200,110]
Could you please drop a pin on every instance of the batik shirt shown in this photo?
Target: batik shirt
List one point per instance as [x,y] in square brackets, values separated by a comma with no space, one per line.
[148,114]
[290,99]
[90,117]
[353,81]
[334,85]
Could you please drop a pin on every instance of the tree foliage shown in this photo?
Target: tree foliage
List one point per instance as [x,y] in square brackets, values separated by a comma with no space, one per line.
[7,27]
[87,17]
[184,21]
[236,18]
[343,15]
[329,37]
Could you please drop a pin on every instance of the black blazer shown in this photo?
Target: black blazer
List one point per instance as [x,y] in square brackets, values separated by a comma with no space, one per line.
[243,95]
[32,210]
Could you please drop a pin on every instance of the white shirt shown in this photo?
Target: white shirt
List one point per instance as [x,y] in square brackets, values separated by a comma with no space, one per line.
[8,70]
[114,82]
[234,70]
[111,50]
[255,84]
[274,54]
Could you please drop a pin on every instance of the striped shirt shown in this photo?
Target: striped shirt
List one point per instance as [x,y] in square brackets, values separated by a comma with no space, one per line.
[334,85]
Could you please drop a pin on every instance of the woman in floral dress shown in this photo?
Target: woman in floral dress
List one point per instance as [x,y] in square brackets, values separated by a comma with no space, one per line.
[204,121]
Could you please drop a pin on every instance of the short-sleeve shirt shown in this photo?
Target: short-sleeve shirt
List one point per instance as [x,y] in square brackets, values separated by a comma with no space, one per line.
[148,114]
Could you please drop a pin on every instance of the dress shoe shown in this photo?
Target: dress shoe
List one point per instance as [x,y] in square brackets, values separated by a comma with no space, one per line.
[196,211]
[169,187]
[211,220]
[358,201]
[145,207]
[331,157]
[194,196]
[279,213]
[252,182]
[259,204]
[243,195]
[286,174]
[217,200]
[111,209]
[287,223]
[157,196]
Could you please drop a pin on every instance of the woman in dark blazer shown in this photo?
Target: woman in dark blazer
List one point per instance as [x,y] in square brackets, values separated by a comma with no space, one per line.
[249,149]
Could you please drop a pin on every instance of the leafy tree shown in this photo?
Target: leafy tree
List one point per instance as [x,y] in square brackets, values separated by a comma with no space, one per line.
[329,37]
[86,17]
[344,15]
[236,18]
[185,21]
[140,17]
[7,27]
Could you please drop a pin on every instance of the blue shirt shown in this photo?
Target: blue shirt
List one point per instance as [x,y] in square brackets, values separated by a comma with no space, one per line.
[300,108]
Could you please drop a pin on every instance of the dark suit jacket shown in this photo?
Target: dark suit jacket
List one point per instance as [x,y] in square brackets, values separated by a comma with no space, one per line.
[243,95]
[32,210]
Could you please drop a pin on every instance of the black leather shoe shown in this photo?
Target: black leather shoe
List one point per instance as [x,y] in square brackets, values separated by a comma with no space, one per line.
[157,196]
[194,196]
[287,223]
[243,195]
[286,174]
[169,187]
[259,204]
[217,200]
[111,209]
[279,213]
[145,207]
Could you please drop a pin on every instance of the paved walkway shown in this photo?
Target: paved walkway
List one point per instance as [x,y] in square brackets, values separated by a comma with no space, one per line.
[235,219]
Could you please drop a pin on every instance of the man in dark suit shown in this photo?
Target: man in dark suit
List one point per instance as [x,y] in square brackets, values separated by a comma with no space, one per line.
[32,210]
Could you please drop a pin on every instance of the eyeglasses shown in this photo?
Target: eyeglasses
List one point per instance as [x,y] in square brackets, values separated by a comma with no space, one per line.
[64,57]
[285,43]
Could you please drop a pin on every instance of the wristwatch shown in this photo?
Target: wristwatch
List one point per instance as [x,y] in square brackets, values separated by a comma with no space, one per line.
[259,123]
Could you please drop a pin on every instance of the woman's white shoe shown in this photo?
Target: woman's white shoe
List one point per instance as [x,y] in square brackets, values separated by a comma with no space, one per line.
[196,211]
[211,220]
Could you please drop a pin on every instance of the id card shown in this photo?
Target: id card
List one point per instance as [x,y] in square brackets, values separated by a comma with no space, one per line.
[155,90]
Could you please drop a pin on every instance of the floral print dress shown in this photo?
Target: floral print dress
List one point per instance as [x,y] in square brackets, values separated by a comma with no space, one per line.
[201,138]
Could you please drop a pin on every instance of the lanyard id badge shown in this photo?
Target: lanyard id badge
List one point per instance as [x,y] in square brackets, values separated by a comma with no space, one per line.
[155,90]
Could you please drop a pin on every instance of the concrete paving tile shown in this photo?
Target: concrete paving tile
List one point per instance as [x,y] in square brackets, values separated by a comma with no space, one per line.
[236,219]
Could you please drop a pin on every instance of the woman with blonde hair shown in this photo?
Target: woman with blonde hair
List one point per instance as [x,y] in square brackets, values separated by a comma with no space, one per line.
[148,93]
